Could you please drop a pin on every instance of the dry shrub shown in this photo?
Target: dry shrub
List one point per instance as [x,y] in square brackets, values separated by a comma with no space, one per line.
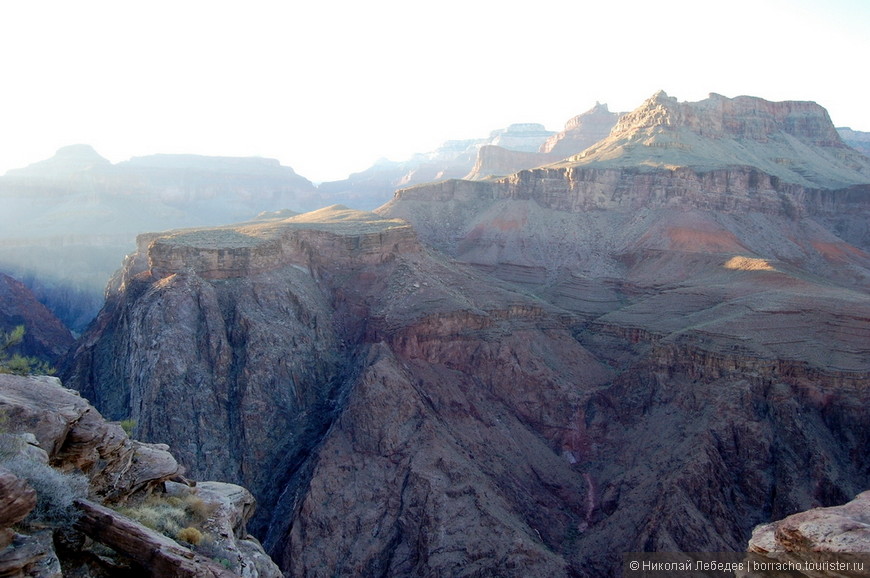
[190,535]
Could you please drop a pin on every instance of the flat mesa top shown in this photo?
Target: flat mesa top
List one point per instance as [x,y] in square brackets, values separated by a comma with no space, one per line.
[336,219]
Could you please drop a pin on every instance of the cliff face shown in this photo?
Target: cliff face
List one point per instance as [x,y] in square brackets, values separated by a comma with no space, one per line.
[597,359]
[792,141]
[717,253]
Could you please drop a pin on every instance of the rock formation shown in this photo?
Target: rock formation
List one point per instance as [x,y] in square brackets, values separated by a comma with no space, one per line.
[818,543]
[581,132]
[50,440]
[837,529]
[524,137]
[495,161]
[656,345]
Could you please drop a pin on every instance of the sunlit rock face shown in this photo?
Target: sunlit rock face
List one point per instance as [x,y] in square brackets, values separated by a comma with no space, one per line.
[524,376]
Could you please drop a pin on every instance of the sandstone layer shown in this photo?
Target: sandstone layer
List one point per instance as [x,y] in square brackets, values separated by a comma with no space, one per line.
[818,543]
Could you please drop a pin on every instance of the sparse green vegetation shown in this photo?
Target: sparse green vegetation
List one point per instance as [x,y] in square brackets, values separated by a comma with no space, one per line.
[55,490]
[18,364]
[128,425]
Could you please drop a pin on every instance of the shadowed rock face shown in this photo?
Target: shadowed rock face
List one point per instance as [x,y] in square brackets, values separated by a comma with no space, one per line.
[608,359]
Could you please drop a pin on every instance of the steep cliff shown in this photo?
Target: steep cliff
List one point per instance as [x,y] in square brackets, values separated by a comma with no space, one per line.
[717,253]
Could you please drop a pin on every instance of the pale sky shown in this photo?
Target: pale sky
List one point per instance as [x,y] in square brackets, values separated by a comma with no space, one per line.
[327,87]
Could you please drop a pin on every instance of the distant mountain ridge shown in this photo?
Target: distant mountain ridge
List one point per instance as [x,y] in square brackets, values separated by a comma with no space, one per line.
[68,220]
[452,160]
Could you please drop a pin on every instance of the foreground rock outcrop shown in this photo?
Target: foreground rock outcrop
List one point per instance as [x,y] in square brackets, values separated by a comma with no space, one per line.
[821,542]
[841,529]
[60,461]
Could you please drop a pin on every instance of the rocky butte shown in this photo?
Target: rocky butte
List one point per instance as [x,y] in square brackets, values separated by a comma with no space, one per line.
[657,344]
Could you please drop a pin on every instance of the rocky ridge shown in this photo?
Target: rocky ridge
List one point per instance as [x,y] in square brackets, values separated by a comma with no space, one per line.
[55,441]
[581,132]
[454,159]
[821,542]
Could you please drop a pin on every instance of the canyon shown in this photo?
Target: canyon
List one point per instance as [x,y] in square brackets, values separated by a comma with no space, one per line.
[656,343]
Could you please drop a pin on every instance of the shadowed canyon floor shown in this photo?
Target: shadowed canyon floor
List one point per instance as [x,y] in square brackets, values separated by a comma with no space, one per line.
[526,376]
